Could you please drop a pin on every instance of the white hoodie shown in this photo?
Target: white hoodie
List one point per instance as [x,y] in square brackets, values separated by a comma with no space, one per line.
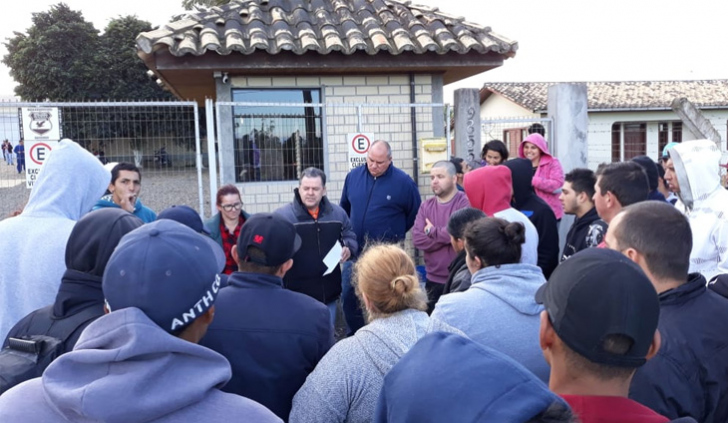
[705,203]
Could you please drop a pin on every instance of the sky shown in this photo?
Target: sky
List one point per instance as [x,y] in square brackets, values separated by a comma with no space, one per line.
[564,40]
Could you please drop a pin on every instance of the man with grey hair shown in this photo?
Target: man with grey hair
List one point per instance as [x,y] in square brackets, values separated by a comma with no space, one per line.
[382,203]
[430,230]
[321,225]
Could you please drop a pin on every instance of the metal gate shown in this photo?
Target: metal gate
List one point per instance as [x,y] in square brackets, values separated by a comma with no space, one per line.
[514,130]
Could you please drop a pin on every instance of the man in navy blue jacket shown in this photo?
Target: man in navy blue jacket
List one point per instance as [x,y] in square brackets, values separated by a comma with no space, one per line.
[689,374]
[382,203]
[273,337]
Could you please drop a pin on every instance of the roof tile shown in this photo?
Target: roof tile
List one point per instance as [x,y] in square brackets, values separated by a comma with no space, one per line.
[323,26]
[624,95]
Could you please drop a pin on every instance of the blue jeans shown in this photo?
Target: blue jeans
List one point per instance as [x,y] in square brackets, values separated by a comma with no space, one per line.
[349,303]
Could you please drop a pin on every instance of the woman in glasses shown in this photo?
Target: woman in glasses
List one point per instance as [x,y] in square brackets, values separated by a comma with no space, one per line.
[225,226]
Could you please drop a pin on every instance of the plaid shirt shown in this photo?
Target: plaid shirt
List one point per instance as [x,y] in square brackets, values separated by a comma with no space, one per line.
[228,240]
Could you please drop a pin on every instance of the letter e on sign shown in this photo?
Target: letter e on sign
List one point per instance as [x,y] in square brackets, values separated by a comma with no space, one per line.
[39,152]
[360,143]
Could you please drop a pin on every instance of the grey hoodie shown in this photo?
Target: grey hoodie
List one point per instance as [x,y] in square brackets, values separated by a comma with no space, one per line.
[345,385]
[33,245]
[127,369]
[499,311]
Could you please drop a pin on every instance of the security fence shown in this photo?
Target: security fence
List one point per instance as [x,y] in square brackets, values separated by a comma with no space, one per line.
[161,138]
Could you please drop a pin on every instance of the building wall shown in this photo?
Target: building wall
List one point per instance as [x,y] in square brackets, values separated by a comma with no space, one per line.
[497,106]
[392,124]
[599,137]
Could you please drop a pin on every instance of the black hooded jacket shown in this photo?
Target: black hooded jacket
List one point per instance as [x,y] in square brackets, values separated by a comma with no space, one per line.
[527,202]
[586,232]
[88,250]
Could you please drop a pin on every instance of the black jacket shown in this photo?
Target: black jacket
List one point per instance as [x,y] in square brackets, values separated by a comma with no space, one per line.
[539,213]
[90,245]
[586,232]
[459,278]
[689,374]
[317,238]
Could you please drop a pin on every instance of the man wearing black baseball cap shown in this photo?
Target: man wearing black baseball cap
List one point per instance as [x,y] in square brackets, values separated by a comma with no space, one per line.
[599,325]
[141,362]
[273,337]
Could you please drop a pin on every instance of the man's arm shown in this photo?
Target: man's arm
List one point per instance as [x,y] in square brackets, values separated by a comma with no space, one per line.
[348,236]
[425,239]
[344,201]
[413,205]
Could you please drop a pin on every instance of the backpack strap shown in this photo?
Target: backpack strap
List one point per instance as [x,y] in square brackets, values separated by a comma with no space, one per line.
[43,323]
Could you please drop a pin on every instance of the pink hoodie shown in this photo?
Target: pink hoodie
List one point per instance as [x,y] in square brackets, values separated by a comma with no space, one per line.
[549,177]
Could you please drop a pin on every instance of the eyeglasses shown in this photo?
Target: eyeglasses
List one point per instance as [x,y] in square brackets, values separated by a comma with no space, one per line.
[231,207]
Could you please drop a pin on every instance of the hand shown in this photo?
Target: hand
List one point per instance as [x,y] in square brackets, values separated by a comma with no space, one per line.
[429,226]
[128,203]
[345,254]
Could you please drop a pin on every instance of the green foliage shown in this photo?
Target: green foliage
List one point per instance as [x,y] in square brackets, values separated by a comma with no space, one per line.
[189,4]
[55,59]
[62,58]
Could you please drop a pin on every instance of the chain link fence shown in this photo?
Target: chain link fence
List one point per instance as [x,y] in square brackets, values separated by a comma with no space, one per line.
[513,130]
[161,138]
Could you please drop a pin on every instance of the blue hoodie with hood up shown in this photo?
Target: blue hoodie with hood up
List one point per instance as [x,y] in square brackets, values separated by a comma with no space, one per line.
[124,369]
[464,382]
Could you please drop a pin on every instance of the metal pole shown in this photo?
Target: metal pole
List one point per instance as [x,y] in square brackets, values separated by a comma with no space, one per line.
[219,149]
[198,154]
[447,130]
[212,164]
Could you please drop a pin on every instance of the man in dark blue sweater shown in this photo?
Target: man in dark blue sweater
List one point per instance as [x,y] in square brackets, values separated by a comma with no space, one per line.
[382,203]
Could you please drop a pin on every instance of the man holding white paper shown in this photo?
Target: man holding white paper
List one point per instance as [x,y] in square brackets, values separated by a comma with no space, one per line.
[327,240]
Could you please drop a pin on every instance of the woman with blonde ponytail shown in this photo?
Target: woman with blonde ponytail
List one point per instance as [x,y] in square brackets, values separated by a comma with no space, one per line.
[345,384]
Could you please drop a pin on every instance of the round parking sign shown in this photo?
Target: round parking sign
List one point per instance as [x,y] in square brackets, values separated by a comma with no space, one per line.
[39,152]
[360,143]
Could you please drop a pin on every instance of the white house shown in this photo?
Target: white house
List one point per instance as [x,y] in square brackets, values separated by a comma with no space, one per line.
[626,119]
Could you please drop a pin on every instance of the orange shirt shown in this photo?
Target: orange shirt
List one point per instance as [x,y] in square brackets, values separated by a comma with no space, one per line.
[314,213]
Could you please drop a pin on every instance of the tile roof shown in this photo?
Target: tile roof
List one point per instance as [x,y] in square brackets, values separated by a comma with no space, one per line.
[627,95]
[323,26]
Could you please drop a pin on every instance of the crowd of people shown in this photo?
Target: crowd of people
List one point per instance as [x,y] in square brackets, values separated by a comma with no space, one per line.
[115,313]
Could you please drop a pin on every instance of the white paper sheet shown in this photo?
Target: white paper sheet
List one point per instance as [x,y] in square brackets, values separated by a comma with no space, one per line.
[333,257]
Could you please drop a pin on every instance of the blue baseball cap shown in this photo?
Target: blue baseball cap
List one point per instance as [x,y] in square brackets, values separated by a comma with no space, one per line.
[167,270]
[185,215]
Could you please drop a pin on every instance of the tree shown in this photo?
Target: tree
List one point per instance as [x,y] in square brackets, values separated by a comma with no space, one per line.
[189,4]
[55,59]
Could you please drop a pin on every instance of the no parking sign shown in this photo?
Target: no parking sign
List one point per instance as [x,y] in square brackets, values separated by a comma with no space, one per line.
[359,144]
[36,153]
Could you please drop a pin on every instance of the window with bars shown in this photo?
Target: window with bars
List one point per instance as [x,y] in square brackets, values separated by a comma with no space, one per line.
[276,143]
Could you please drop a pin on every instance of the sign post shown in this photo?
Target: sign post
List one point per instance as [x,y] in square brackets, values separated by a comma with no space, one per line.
[359,144]
[41,133]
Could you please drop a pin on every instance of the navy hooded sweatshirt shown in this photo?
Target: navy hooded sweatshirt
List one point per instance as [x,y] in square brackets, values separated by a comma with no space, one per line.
[539,213]
[464,382]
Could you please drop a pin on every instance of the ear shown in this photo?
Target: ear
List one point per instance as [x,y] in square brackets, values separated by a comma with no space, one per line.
[477,261]
[111,188]
[324,191]
[208,316]
[633,255]
[582,198]
[234,253]
[546,336]
[655,346]
[285,267]
[365,300]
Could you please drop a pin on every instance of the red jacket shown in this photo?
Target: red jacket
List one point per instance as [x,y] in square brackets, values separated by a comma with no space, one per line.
[596,409]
